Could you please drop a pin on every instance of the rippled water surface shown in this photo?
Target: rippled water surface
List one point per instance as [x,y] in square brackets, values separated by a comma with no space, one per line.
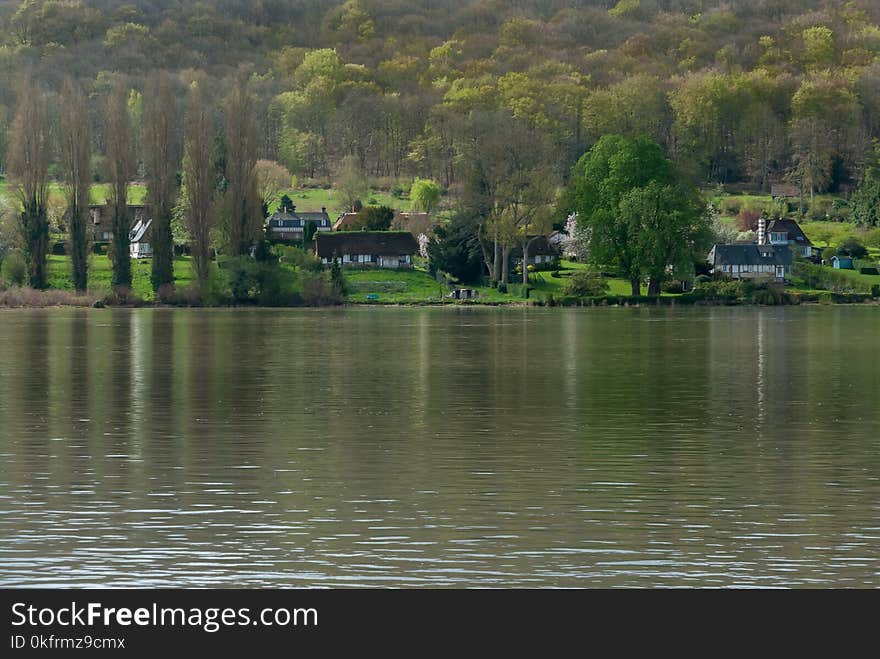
[440,447]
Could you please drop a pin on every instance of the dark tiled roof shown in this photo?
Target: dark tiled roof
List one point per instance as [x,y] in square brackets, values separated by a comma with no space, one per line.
[752,254]
[286,219]
[790,227]
[378,243]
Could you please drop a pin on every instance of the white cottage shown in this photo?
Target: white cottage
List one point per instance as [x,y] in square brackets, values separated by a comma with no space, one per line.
[138,245]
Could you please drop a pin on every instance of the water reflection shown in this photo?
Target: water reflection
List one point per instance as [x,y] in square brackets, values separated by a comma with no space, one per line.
[440,447]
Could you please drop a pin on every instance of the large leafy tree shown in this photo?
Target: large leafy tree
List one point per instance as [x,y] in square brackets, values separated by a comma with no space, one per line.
[866,200]
[639,218]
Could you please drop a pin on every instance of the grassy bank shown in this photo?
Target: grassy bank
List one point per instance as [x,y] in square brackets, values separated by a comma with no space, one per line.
[100,273]
[417,287]
[372,286]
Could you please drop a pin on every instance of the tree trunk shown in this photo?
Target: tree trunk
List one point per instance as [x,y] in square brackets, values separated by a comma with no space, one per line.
[654,286]
[505,265]
[636,287]
[496,266]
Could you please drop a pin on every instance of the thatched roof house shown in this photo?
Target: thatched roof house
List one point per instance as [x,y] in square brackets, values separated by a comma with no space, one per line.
[384,249]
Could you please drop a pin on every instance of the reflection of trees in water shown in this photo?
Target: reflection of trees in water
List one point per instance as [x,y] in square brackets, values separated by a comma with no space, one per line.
[28,382]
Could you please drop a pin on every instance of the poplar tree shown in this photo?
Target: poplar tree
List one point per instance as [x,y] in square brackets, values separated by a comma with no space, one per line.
[120,165]
[76,162]
[30,153]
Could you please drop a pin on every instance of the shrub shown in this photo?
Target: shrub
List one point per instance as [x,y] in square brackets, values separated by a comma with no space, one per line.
[747,219]
[13,270]
[123,296]
[721,290]
[241,275]
[731,206]
[703,279]
[769,294]
[184,296]
[819,210]
[299,258]
[870,271]
[17,297]
[824,278]
[672,286]
[586,284]
[319,292]
[851,246]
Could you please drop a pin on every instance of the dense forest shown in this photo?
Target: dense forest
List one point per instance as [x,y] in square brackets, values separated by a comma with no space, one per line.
[739,91]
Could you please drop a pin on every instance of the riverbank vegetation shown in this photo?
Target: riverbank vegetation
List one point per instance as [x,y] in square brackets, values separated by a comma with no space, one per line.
[662,126]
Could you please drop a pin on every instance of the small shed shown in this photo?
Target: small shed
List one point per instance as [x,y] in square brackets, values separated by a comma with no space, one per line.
[842,262]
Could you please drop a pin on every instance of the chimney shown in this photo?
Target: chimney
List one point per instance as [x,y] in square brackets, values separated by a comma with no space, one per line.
[324,209]
[762,231]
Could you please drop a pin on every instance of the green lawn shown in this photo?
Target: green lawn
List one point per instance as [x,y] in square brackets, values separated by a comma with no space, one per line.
[99,274]
[313,199]
[381,286]
[544,282]
[100,192]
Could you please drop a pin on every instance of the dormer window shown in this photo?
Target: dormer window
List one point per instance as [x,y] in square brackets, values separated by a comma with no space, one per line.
[779,237]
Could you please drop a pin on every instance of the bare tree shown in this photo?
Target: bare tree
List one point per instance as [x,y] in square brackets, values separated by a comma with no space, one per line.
[272,179]
[242,199]
[160,151]
[120,164]
[30,153]
[351,182]
[76,162]
[199,180]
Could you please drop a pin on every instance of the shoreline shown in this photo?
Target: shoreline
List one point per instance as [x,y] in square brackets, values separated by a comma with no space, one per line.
[597,304]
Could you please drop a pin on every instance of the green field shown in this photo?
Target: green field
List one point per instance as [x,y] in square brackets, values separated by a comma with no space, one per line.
[415,286]
[313,199]
[305,199]
[99,274]
[100,192]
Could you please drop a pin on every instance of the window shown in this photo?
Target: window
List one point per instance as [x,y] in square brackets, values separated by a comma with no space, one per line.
[778,237]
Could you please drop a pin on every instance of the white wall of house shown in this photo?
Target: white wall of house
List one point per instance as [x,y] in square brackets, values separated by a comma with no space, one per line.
[140,250]
[755,271]
[402,261]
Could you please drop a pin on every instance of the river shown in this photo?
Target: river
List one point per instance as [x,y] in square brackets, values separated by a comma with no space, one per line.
[430,447]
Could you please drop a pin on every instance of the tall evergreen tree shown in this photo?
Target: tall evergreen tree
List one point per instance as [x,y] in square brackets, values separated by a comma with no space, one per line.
[76,161]
[120,166]
[243,206]
[30,153]
[199,179]
[160,150]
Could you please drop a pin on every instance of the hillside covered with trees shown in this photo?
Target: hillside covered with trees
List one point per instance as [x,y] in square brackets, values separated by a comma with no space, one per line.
[747,91]
[213,109]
